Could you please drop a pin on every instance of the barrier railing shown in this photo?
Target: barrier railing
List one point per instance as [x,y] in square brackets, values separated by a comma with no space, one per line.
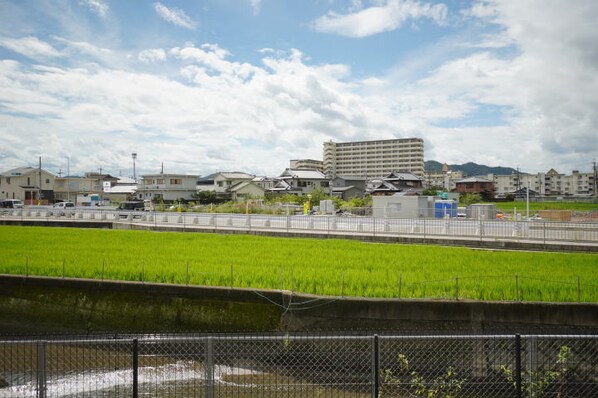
[464,229]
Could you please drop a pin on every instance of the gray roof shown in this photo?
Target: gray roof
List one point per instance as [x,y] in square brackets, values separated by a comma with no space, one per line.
[21,171]
[235,175]
[401,175]
[242,185]
[343,189]
[303,174]
[473,179]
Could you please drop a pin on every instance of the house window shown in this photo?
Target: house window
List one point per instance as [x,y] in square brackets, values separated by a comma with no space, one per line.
[176,181]
[8,180]
[47,180]
[160,181]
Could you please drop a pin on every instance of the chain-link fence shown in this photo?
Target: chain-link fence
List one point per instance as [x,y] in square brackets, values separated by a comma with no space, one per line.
[533,366]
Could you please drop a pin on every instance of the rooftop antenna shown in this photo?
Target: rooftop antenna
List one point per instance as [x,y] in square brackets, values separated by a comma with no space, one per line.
[162,170]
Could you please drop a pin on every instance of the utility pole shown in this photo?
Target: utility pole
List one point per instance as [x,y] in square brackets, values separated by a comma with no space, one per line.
[595,178]
[68,175]
[39,193]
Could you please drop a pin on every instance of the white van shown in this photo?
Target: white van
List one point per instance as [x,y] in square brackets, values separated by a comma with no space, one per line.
[11,204]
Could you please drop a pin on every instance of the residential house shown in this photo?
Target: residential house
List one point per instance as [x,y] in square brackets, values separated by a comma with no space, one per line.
[29,184]
[479,185]
[397,181]
[300,182]
[68,188]
[225,180]
[167,187]
[347,187]
[246,190]
[124,189]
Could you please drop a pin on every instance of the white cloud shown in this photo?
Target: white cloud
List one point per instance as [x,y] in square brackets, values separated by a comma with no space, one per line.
[86,48]
[214,112]
[97,6]
[175,16]
[377,19]
[255,6]
[152,55]
[30,47]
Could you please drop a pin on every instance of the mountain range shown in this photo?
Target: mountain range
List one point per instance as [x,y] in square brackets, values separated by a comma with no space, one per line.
[469,169]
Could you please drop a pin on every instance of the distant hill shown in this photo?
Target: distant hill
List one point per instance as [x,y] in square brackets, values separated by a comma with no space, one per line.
[470,169]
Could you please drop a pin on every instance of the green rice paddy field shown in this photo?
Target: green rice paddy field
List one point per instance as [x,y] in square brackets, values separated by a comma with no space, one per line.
[326,267]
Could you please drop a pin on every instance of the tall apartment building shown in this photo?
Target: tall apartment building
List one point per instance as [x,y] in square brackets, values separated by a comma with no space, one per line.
[373,159]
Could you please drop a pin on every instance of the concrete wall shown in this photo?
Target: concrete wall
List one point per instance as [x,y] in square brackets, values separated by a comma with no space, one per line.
[399,206]
[43,304]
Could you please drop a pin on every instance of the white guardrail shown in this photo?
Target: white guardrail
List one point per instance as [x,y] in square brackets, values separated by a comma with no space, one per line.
[500,230]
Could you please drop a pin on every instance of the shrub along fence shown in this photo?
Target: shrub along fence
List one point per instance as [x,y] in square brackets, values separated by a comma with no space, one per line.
[274,365]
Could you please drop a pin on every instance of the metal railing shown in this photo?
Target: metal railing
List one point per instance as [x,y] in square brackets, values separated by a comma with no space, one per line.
[530,366]
[544,232]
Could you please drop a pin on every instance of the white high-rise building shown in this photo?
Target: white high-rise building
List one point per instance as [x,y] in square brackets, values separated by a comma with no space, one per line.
[373,159]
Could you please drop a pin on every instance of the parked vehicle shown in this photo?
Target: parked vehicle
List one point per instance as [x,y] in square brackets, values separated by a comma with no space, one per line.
[63,208]
[126,209]
[11,204]
[64,205]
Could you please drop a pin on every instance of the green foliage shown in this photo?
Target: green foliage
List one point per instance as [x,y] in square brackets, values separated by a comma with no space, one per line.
[432,191]
[444,386]
[467,199]
[535,383]
[306,265]
[207,197]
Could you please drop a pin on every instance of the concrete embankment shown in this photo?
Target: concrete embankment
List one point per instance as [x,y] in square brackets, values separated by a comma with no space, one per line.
[43,304]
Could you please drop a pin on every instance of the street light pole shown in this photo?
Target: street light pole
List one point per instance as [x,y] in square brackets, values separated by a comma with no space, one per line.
[134,155]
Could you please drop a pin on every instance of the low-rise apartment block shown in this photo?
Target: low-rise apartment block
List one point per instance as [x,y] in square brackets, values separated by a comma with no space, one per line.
[307,164]
[551,183]
[167,187]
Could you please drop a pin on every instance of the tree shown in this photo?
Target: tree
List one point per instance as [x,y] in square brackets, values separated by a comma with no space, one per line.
[535,383]
[467,199]
[207,197]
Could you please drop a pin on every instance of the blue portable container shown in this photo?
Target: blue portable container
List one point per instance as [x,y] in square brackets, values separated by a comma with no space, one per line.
[445,208]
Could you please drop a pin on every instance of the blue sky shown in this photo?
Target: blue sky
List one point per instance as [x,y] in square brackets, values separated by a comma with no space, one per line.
[223,85]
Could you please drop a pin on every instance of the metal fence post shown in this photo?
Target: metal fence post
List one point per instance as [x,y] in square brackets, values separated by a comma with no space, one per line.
[518,365]
[41,369]
[135,368]
[375,366]
[209,368]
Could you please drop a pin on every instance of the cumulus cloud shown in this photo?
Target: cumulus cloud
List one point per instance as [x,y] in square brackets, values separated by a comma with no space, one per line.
[175,16]
[380,18]
[97,6]
[30,47]
[152,55]
[533,72]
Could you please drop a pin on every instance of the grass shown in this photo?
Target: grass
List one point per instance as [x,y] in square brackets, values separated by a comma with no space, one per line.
[536,206]
[327,267]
